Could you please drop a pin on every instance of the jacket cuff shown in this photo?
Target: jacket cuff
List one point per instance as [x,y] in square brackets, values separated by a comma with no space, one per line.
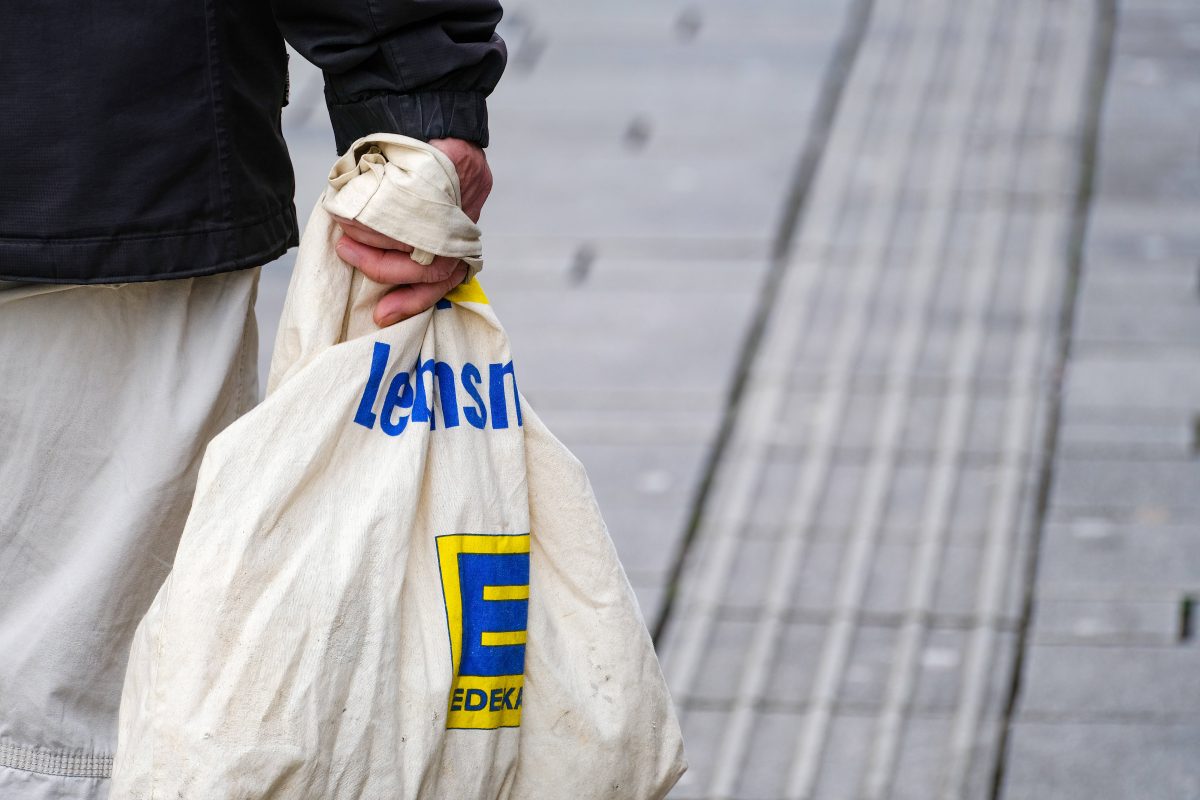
[422,115]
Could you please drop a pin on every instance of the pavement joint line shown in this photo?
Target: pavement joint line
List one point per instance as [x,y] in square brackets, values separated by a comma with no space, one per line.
[869,711]
[1131,719]
[872,619]
[953,434]
[1098,70]
[853,455]
[1021,414]
[823,536]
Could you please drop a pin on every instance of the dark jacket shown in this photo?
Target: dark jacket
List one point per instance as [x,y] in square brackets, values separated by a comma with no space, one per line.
[140,139]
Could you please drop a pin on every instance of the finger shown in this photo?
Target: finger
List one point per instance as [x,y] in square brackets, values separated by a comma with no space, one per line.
[408,301]
[361,233]
[393,267]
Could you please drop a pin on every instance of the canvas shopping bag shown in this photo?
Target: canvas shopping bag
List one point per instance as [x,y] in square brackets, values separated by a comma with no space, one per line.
[394,582]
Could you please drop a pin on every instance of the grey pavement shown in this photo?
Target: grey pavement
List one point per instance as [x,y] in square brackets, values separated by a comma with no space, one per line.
[1110,698]
[876,325]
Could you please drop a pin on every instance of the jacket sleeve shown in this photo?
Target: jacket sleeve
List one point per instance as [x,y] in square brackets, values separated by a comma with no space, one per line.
[422,68]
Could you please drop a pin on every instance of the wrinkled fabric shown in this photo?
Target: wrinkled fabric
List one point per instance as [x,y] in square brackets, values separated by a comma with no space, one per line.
[394,582]
[108,396]
[143,140]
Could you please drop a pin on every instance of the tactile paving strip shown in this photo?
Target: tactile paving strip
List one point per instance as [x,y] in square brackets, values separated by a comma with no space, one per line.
[846,622]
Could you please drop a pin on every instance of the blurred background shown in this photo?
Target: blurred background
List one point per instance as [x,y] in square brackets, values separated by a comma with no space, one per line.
[877,325]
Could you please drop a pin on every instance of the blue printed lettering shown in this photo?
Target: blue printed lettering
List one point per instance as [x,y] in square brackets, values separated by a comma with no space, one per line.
[379,356]
[471,379]
[477,700]
[421,409]
[497,396]
[480,616]
[409,397]
[399,396]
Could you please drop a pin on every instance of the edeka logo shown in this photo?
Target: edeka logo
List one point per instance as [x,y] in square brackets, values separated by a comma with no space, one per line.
[404,403]
[485,583]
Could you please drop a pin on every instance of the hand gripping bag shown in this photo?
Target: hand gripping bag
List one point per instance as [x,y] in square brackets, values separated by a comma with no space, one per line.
[394,582]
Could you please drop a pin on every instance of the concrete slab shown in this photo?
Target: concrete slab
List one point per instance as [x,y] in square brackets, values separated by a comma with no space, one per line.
[1122,682]
[1077,556]
[1102,761]
[1121,484]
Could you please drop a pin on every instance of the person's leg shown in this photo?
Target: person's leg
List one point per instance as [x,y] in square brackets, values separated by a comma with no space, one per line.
[108,396]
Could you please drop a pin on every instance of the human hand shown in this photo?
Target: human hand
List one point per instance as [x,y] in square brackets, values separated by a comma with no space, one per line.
[387,261]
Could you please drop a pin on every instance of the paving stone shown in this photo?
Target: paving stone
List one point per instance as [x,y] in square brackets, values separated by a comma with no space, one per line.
[795,668]
[723,663]
[1166,32]
[1147,289]
[594,269]
[1110,761]
[942,662]
[1157,231]
[752,566]
[1156,166]
[921,761]
[1105,622]
[630,339]
[845,754]
[575,420]
[865,678]
[887,587]
[1120,484]
[923,423]
[860,424]
[987,424]
[1142,381]
[1097,682]
[703,728]
[817,583]
[771,754]
[1139,325]
[841,499]
[975,486]
[776,493]
[670,196]
[645,495]
[1076,557]
[922,758]
[1089,433]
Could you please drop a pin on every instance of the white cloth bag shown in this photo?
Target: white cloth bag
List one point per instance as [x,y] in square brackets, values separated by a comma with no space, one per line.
[394,582]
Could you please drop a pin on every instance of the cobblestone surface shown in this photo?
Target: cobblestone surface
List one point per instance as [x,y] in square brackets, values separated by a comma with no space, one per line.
[848,616]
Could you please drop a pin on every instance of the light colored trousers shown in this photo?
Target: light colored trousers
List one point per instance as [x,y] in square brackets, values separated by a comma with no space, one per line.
[108,396]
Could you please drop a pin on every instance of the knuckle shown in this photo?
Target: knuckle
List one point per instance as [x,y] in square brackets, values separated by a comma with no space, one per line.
[369,265]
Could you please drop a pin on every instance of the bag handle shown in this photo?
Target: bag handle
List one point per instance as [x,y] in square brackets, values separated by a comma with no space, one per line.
[405,189]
